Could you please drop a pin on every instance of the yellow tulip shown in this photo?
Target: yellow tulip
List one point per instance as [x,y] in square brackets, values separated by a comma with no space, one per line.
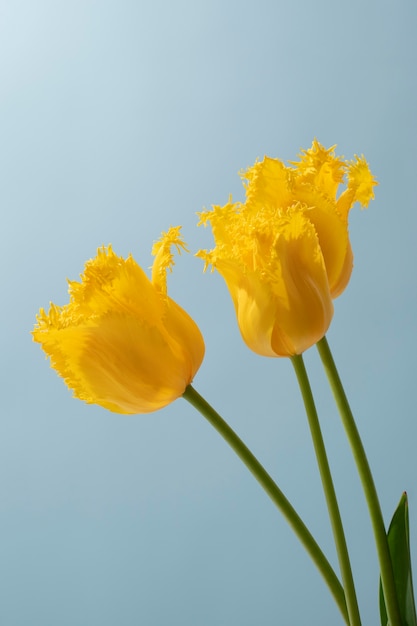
[122,342]
[285,253]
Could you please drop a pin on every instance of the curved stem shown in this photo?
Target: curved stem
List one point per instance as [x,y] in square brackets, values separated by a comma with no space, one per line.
[329,490]
[273,491]
[368,485]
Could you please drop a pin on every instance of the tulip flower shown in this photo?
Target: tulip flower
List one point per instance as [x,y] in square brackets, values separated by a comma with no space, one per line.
[285,253]
[122,342]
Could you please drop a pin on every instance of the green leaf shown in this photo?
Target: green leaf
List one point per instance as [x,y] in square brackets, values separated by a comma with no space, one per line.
[399,547]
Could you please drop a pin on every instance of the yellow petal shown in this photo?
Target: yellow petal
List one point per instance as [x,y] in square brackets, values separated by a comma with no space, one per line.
[268,185]
[164,259]
[360,179]
[305,306]
[320,168]
[360,186]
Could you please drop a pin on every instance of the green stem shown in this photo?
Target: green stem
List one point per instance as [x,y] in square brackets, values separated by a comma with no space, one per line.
[368,485]
[273,491]
[329,490]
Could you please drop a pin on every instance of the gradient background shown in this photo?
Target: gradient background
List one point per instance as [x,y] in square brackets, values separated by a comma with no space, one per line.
[118,119]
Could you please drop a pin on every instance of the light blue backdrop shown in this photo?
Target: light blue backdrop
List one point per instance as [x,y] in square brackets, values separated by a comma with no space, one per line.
[118,119]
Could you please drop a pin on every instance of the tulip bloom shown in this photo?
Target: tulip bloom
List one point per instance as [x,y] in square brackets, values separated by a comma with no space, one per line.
[285,253]
[121,342]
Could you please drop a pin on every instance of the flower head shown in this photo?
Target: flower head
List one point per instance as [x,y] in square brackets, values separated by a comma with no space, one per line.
[285,253]
[121,342]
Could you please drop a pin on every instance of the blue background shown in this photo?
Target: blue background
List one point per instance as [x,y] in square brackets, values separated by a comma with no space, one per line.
[117,120]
